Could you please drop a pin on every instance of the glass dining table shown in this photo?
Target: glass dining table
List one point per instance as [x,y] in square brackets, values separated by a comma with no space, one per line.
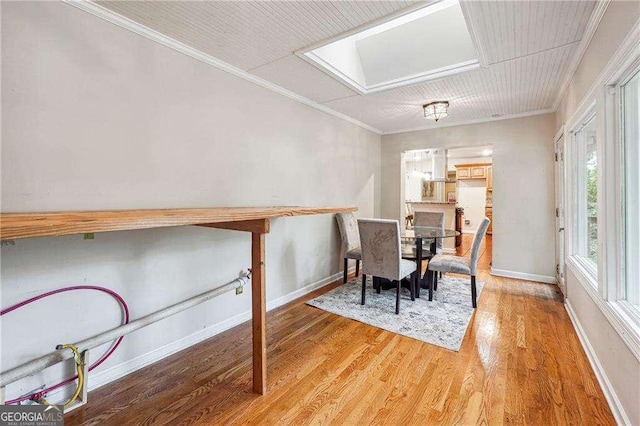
[421,234]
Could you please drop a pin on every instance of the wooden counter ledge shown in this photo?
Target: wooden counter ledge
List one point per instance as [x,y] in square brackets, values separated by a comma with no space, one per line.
[45,224]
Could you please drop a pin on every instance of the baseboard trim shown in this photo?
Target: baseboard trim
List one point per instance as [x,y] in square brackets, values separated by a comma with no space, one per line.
[523,276]
[609,393]
[300,292]
[101,378]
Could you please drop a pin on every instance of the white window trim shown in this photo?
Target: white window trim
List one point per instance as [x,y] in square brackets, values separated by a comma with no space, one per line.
[605,291]
[615,312]
[617,177]
[613,278]
[571,193]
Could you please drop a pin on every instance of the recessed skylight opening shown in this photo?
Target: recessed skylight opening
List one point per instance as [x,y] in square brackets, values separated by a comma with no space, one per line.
[425,44]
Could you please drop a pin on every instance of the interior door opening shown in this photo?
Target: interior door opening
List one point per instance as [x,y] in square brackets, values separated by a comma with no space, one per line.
[458,181]
[559,213]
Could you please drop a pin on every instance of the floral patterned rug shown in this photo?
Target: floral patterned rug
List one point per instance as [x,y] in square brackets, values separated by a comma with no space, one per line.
[442,322]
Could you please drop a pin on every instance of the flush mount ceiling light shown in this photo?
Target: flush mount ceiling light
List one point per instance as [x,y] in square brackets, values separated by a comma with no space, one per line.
[436,110]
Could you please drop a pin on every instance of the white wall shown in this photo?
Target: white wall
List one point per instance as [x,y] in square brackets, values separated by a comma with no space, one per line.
[523,195]
[615,360]
[97,117]
[472,196]
[414,174]
[613,28]
[413,187]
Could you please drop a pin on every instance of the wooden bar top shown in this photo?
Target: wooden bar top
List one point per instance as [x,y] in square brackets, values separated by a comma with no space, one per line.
[30,225]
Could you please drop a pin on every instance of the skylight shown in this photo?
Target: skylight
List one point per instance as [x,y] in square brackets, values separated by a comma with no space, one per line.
[425,44]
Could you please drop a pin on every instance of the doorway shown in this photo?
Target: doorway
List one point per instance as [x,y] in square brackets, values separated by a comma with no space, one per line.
[456,180]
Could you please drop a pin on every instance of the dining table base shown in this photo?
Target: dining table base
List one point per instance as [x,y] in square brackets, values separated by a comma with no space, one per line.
[386,284]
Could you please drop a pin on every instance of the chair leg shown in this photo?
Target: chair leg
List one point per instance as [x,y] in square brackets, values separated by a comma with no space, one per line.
[473,292]
[357,273]
[346,267]
[435,280]
[430,282]
[412,285]
[364,287]
[397,297]
[357,267]
[377,284]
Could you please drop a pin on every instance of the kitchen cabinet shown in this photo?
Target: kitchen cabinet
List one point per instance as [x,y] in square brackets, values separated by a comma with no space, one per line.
[473,171]
[478,172]
[462,173]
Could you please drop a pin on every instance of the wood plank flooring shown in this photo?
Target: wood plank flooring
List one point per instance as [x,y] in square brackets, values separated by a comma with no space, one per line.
[520,362]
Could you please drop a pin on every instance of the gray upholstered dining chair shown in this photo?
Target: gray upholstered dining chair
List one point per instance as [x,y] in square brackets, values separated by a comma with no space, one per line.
[350,241]
[433,219]
[460,265]
[382,256]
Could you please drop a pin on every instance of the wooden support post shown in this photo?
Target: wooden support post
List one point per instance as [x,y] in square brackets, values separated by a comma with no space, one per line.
[259,309]
[258,228]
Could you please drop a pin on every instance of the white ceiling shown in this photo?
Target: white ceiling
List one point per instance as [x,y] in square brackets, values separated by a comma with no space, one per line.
[528,46]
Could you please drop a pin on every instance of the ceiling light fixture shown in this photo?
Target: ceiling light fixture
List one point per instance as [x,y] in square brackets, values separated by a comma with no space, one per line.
[436,110]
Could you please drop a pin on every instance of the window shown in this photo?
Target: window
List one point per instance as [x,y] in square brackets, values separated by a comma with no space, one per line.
[630,100]
[586,196]
[603,194]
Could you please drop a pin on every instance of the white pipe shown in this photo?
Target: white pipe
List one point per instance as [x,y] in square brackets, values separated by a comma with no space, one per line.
[58,356]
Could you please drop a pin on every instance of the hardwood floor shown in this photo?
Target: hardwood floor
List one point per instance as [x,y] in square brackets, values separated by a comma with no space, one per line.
[520,362]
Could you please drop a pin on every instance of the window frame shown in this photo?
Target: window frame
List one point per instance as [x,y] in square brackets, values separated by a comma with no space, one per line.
[615,294]
[581,263]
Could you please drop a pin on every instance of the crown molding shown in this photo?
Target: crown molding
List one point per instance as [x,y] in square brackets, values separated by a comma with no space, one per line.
[590,30]
[153,35]
[475,121]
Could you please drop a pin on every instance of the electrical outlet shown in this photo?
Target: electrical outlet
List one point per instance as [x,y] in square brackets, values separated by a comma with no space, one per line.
[239,290]
[467,222]
[89,236]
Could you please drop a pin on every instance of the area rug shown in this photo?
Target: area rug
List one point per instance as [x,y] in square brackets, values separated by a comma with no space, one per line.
[442,322]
